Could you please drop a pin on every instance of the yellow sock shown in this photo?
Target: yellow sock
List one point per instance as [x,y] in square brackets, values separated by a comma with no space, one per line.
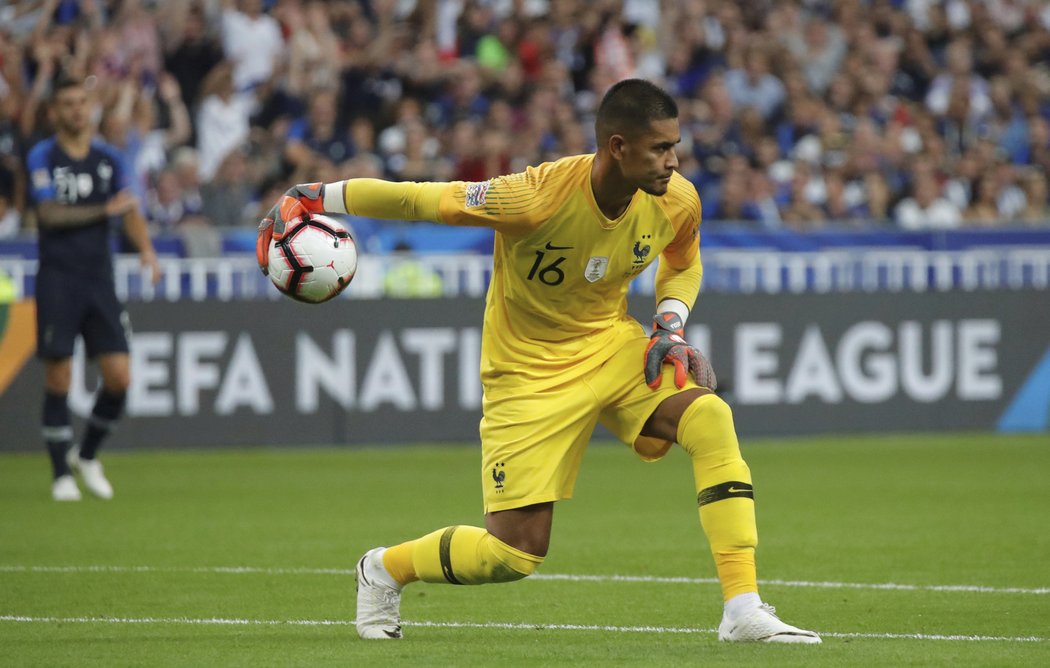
[463,555]
[398,562]
[724,493]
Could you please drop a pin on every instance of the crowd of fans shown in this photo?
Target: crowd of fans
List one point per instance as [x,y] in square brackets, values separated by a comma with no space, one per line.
[794,113]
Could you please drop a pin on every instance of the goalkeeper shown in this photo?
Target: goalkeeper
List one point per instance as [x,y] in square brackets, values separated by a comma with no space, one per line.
[560,354]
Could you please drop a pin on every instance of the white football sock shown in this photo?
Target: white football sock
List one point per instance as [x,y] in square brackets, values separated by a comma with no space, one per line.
[742,604]
[377,572]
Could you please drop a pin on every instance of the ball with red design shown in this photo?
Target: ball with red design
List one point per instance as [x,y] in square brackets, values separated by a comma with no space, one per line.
[315,261]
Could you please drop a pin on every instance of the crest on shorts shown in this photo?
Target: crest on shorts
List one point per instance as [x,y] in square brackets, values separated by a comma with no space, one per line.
[499,475]
[476,194]
[595,270]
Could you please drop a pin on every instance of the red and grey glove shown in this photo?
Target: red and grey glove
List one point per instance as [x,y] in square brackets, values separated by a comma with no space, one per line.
[301,199]
[667,346]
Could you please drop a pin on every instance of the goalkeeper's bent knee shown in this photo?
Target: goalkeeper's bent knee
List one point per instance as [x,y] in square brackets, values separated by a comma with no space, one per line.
[469,555]
[707,433]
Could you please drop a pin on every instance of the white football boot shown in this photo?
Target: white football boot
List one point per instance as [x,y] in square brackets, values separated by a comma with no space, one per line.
[761,624]
[91,472]
[94,479]
[64,488]
[378,601]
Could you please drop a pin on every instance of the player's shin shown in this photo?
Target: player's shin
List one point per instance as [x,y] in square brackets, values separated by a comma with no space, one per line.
[724,493]
[107,410]
[459,555]
[57,431]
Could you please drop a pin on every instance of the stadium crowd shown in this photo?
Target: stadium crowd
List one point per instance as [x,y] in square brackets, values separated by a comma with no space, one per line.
[794,113]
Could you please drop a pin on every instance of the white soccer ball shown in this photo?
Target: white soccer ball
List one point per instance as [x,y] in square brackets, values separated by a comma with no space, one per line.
[315,261]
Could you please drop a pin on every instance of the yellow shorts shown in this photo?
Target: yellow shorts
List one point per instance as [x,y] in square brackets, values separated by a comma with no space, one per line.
[532,444]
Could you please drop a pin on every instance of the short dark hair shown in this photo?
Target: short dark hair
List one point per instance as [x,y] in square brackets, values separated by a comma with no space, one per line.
[63,81]
[630,106]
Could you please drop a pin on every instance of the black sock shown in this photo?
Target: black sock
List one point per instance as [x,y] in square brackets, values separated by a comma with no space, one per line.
[108,408]
[58,432]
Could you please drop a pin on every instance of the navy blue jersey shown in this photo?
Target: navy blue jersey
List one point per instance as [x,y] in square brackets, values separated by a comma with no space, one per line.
[55,176]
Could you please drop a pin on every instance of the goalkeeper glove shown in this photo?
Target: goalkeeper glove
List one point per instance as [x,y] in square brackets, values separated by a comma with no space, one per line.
[666,346]
[299,200]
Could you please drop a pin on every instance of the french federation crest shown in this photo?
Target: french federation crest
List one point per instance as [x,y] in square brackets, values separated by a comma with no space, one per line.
[595,270]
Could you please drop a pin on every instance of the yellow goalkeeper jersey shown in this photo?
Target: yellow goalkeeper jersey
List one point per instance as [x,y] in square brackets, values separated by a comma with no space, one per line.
[557,302]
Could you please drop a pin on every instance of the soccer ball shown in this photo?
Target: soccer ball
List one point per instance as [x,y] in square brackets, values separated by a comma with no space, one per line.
[315,261]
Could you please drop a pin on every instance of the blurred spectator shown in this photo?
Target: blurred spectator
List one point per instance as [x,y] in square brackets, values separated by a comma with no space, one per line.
[421,159]
[186,167]
[820,50]
[317,141]
[10,218]
[191,52]
[843,202]
[762,205]
[803,211]
[732,202]
[251,40]
[1008,124]
[876,198]
[484,159]
[754,86]
[168,204]
[983,209]
[227,198]
[961,78]
[12,173]
[1011,198]
[926,209]
[410,278]
[313,49]
[1037,198]
[131,126]
[222,122]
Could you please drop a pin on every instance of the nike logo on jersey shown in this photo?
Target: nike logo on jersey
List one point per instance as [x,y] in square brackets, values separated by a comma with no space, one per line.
[550,247]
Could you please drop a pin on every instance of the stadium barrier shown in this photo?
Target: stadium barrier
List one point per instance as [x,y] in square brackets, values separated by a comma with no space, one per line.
[747,271]
[210,373]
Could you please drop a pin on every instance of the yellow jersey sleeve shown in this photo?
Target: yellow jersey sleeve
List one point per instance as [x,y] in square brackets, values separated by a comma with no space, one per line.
[680,271]
[514,205]
[375,198]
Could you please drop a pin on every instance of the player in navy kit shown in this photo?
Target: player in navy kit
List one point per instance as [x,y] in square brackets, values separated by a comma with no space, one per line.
[79,184]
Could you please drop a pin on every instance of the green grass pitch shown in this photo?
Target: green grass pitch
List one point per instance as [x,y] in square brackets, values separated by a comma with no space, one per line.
[901,550]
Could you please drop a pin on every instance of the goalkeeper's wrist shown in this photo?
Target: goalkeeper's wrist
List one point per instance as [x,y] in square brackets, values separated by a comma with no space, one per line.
[334,197]
[675,306]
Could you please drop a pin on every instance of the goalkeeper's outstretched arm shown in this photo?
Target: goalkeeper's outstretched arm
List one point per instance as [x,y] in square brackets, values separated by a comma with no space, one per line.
[375,198]
[371,198]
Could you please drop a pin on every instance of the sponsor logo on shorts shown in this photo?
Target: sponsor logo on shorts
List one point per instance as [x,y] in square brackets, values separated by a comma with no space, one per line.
[476,193]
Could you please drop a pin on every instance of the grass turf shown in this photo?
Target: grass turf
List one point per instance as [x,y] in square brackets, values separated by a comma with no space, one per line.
[244,558]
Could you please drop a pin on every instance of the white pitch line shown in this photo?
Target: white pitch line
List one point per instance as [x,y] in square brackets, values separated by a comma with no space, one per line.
[514,626]
[892,586]
[253,570]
